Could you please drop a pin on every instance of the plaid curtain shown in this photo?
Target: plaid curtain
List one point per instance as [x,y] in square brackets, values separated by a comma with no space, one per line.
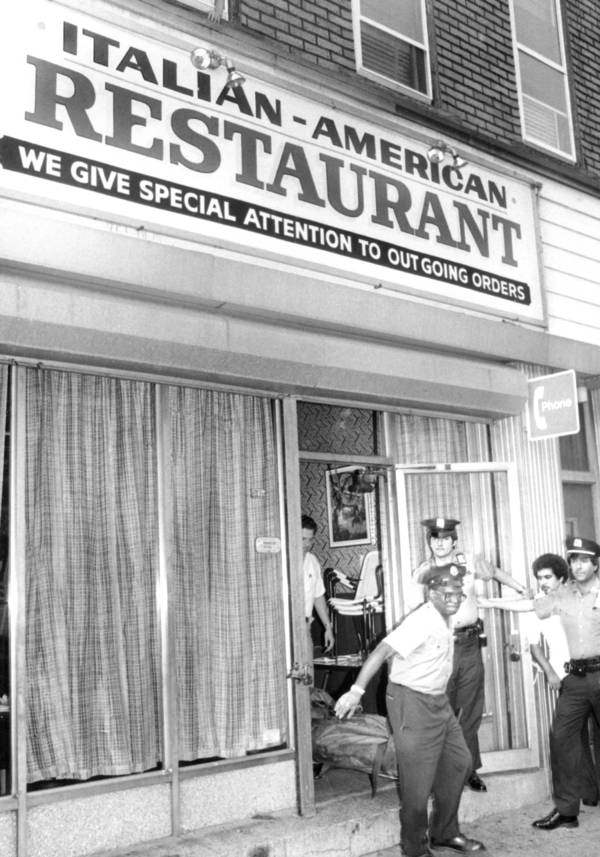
[419,440]
[228,598]
[4,619]
[92,646]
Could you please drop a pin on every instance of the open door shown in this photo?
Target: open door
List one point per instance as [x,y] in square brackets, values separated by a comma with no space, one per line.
[484,497]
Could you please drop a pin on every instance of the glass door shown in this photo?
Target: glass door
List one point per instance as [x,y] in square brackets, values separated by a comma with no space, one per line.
[485,498]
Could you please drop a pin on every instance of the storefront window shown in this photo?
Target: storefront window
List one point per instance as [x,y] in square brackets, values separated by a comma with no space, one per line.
[97,586]
[92,641]
[5,696]
[229,627]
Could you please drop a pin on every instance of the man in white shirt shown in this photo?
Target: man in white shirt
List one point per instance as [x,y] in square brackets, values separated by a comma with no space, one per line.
[432,755]
[314,589]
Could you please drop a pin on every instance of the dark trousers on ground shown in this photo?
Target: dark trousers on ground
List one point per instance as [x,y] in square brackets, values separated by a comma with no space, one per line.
[432,759]
[588,777]
[466,690]
[579,696]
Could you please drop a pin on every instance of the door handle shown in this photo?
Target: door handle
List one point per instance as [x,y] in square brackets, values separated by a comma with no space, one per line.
[302,673]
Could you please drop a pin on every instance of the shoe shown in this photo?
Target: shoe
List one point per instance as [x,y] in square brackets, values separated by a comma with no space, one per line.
[590,801]
[476,783]
[554,819]
[459,843]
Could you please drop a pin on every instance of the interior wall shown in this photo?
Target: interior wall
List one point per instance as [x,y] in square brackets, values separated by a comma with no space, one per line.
[339,431]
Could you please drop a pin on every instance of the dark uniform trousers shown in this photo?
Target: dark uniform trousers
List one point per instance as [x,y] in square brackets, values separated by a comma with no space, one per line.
[578,697]
[466,690]
[432,759]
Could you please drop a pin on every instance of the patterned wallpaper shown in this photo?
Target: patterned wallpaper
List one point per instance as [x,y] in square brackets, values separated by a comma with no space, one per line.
[330,428]
[351,431]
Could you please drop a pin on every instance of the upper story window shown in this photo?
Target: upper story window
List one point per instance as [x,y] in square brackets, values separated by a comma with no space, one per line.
[215,8]
[391,44]
[542,75]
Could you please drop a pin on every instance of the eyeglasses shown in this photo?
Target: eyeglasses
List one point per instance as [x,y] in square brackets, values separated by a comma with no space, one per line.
[452,596]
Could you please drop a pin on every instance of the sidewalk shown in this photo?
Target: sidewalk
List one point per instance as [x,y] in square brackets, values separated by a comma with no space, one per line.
[358,825]
[510,834]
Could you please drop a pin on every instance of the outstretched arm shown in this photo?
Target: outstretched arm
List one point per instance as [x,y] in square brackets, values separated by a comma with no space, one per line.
[349,702]
[516,605]
[483,569]
[508,580]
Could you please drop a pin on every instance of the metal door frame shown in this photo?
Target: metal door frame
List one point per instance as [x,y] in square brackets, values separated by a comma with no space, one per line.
[500,760]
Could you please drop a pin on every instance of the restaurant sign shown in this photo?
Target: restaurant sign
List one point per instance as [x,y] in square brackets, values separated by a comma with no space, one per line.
[100,119]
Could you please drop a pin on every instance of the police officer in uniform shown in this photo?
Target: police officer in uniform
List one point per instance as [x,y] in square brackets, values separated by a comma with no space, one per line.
[577,604]
[467,683]
[430,748]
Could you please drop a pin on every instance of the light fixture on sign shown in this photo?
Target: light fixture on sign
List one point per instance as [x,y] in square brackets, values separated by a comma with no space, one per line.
[203,58]
[439,150]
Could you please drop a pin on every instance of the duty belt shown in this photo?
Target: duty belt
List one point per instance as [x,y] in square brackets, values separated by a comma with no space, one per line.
[469,631]
[581,666]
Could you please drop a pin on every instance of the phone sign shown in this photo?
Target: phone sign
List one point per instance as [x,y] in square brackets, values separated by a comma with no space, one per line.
[552,407]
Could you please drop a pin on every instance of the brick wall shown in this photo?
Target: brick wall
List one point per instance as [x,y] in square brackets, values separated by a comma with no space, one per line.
[583,26]
[472,62]
[320,30]
[475,64]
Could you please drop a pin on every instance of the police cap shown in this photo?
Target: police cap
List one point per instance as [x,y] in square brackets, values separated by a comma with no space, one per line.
[440,526]
[577,545]
[449,575]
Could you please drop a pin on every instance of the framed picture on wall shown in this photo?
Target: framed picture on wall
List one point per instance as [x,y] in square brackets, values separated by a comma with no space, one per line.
[348,510]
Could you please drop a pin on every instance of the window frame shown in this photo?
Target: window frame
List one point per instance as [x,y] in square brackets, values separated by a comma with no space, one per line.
[171,771]
[388,82]
[586,478]
[520,758]
[207,6]
[562,68]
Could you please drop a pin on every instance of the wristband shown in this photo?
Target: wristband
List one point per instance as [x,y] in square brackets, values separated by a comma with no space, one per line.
[356,689]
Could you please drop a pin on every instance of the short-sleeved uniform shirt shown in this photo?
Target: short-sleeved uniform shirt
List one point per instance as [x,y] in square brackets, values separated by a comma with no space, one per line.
[424,645]
[579,615]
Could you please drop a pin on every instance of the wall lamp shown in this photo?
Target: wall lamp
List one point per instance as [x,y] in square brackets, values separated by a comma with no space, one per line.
[203,58]
[363,480]
[439,150]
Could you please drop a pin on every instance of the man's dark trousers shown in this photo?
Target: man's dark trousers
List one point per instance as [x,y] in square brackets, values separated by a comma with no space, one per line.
[466,691]
[432,759]
[579,695]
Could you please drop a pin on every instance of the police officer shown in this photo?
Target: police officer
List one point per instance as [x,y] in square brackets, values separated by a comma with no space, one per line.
[577,603]
[431,752]
[467,683]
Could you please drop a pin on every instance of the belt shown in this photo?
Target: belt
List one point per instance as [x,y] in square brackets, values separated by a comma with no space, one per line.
[581,666]
[467,631]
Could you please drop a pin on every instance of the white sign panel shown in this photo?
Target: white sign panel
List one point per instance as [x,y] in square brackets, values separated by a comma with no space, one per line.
[268,544]
[100,118]
[552,407]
